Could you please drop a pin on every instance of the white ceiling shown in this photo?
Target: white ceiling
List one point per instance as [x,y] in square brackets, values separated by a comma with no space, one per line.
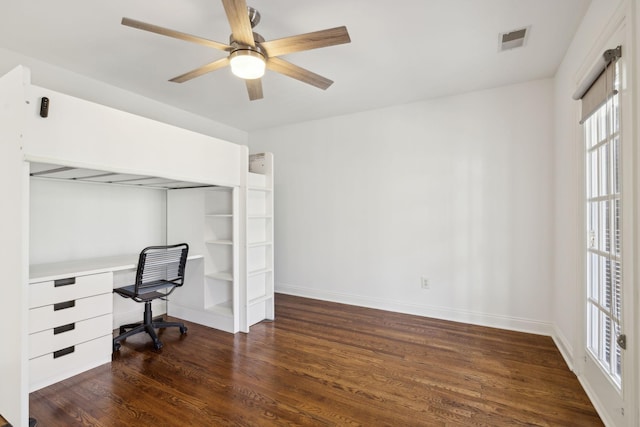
[400,51]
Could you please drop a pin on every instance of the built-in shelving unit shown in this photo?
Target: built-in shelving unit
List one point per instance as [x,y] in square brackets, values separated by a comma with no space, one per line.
[230,281]
[200,174]
[209,219]
[220,268]
[260,251]
[233,228]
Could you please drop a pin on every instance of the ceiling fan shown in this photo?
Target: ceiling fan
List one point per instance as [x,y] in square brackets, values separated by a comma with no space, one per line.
[249,53]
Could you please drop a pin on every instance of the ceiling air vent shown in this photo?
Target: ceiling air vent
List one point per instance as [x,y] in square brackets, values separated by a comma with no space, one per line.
[513,39]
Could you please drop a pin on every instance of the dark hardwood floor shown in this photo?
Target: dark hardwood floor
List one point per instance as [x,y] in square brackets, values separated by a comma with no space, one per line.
[326,364]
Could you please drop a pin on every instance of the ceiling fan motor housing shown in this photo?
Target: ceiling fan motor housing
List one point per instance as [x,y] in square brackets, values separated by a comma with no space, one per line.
[254,16]
[257,38]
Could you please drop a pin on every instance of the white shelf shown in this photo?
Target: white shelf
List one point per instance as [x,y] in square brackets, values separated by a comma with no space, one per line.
[259,272]
[224,308]
[258,300]
[254,188]
[255,178]
[259,244]
[260,216]
[222,275]
[219,242]
[219,215]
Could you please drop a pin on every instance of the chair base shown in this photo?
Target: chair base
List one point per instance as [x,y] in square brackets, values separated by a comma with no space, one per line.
[148,325]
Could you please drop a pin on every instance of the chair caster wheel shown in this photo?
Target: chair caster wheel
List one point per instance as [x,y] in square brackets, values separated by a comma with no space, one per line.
[122,330]
[116,347]
[183,330]
[157,345]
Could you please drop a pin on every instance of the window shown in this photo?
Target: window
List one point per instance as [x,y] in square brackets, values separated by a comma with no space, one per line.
[604,261]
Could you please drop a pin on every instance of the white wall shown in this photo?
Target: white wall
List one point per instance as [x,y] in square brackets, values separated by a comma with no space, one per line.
[457,189]
[104,220]
[61,80]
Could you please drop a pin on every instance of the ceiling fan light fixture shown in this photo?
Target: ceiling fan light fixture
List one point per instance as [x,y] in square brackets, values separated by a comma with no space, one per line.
[247,64]
[247,53]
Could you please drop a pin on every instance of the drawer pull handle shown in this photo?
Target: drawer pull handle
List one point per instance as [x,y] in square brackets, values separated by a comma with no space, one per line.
[63,305]
[64,352]
[64,282]
[64,328]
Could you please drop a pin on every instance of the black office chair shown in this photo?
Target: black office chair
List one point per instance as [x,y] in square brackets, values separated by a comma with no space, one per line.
[160,268]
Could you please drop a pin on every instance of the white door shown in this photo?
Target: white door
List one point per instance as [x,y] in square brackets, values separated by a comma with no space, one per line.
[608,304]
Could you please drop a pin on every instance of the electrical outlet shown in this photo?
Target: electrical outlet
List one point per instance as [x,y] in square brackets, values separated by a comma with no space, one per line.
[424,283]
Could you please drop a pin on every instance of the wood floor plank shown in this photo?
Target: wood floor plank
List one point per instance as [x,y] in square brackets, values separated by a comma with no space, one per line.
[326,364]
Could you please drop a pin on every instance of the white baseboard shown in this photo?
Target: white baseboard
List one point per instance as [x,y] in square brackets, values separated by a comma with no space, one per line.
[202,317]
[565,347]
[444,313]
[597,404]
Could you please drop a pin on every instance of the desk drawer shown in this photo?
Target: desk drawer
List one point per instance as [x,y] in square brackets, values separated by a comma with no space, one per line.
[67,335]
[75,310]
[53,367]
[55,291]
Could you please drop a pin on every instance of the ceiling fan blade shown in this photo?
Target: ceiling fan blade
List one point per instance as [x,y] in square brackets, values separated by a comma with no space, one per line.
[238,18]
[254,88]
[175,34]
[212,66]
[288,69]
[315,40]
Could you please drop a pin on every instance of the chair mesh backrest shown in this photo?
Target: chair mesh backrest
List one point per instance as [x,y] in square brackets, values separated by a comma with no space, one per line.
[161,264]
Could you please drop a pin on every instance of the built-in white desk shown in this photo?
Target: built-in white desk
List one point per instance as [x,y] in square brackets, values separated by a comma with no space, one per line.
[82,267]
[71,316]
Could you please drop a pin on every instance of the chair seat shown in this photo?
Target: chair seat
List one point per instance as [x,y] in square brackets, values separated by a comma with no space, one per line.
[149,292]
